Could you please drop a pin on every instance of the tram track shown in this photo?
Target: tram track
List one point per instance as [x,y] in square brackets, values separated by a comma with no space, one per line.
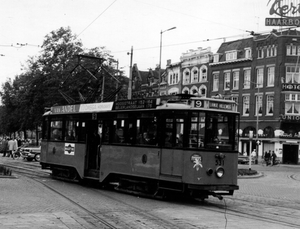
[264,212]
[260,209]
[111,219]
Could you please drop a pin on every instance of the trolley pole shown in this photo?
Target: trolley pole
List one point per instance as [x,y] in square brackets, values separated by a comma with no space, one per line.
[250,141]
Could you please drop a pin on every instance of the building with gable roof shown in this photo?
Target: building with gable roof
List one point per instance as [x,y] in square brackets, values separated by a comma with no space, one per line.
[262,75]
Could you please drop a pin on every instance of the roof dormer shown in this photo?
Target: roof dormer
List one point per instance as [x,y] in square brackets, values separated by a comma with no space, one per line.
[231,55]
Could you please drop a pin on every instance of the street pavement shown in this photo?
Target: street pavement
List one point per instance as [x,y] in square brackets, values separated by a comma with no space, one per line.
[26,204]
[29,205]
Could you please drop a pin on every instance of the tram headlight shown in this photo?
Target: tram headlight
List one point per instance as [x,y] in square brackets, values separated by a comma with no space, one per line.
[220,172]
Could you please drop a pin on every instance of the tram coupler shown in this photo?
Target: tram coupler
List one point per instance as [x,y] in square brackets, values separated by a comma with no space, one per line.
[218,196]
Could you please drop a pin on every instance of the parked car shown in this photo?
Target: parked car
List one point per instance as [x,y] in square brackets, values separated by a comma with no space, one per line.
[245,159]
[30,153]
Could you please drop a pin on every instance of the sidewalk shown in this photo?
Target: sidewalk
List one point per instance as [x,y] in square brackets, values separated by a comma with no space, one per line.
[28,205]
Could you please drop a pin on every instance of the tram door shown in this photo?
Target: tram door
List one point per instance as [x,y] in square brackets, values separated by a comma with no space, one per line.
[93,141]
[290,154]
[172,153]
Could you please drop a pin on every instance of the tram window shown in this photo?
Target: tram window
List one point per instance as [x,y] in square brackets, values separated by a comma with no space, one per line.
[56,130]
[220,131]
[196,137]
[146,129]
[70,131]
[179,127]
[81,127]
[106,131]
[168,133]
[118,126]
[45,128]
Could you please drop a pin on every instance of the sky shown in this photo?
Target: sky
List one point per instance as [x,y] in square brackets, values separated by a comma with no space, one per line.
[121,24]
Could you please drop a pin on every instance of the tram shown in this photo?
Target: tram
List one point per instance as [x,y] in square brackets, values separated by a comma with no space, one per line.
[180,144]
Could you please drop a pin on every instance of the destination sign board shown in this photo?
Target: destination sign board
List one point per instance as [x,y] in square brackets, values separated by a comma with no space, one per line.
[135,104]
[213,104]
[82,108]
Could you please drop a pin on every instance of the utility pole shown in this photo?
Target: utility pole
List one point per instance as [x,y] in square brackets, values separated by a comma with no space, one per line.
[130,75]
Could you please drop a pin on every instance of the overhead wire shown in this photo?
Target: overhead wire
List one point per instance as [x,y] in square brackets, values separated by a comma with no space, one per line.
[96,18]
[194,16]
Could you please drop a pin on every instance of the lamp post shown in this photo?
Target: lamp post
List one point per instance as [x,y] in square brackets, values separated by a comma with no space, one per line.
[250,147]
[257,120]
[257,146]
[160,50]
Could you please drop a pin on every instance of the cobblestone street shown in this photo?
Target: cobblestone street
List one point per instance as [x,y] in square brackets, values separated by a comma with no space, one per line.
[26,203]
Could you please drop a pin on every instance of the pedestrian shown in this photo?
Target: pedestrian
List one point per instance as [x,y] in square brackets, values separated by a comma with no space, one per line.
[274,156]
[4,146]
[268,157]
[12,147]
[253,154]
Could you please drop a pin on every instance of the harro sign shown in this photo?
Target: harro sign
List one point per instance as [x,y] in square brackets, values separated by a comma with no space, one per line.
[287,10]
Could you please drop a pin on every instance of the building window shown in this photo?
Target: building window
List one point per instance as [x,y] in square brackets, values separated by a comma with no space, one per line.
[292,75]
[271,50]
[270,105]
[216,58]
[247,73]
[259,77]
[260,53]
[232,55]
[292,104]
[173,78]
[226,80]
[258,106]
[292,50]
[194,75]
[202,91]
[185,90]
[215,82]
[292,108]
[236,77]
[248,53]
[170,78]
[203,74]
[186,76]
[235,99]
[246,102]
[270,80]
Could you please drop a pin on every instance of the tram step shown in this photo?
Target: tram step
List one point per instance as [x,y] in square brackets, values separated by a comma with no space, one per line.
[92,173]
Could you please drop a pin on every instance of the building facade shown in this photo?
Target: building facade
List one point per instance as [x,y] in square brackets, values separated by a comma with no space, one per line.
[194,64]
[261,73]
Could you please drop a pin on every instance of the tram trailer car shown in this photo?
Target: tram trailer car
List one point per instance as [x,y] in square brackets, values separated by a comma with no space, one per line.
[185,145]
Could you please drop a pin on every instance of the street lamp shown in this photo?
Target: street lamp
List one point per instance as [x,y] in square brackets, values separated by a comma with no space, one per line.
[257,120]
[160,49]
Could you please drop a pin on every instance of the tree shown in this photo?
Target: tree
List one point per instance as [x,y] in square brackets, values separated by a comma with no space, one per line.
[57,69]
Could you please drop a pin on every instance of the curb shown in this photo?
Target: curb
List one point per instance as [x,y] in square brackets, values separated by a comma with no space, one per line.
[8,177]
[258,175]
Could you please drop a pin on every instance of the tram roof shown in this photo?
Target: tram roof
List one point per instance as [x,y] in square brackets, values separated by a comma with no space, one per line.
[177,102]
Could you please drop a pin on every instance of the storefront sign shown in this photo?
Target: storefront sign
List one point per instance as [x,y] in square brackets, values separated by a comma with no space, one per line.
[295,118]
[288,11]
[286,135]
[290,87]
